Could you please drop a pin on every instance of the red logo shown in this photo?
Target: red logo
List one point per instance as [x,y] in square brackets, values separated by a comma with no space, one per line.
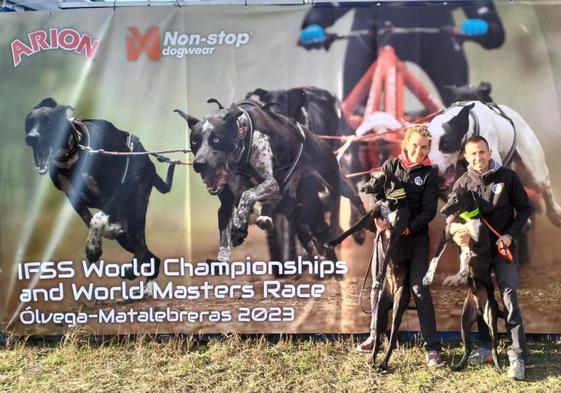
[148,43]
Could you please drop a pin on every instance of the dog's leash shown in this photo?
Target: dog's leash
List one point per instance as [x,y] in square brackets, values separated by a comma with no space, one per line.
[158,154]
[504,251]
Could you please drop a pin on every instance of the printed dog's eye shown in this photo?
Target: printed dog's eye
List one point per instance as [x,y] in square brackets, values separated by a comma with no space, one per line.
[194,142]
[215,139]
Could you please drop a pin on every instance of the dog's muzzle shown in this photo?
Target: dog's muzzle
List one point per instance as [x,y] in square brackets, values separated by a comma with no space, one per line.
[41,155]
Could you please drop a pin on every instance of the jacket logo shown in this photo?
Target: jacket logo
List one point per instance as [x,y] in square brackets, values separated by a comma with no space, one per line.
[418,181]
[497,188]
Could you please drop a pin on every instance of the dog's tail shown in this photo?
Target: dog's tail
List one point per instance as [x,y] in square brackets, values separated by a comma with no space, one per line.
[164,186]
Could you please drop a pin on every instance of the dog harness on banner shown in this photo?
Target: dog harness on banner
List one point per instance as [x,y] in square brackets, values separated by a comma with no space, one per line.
[298,156]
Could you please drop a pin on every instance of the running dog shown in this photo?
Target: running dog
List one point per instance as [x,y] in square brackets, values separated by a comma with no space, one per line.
[119,186]
[391,289]
[247,153]
[511,141]
[462,213]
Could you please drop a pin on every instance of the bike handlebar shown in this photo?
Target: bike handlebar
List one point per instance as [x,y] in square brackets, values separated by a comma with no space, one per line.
[386,32]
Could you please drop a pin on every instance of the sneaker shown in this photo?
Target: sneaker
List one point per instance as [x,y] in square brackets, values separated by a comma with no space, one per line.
[516,370]
[366,346]
[481,355]
[434,360]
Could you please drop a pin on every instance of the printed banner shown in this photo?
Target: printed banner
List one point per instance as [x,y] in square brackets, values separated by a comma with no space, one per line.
[180,170]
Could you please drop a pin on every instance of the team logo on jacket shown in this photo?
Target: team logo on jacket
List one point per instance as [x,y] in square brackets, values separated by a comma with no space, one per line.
[418,181]
[497,188]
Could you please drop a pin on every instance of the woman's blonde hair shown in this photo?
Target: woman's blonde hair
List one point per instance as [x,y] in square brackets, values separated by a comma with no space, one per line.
[420,129]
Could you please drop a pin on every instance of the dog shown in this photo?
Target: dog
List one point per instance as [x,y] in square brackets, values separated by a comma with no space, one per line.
[511,140]
[391,289]
[247,153]
[118,186]
[462,212]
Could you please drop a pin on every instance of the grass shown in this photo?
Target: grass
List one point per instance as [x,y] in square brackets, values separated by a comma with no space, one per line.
[254,365]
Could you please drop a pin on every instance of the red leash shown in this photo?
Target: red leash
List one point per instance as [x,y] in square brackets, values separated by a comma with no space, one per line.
[504,251]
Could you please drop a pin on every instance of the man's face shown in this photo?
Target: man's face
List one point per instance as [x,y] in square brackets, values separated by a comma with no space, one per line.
[478,156]
[417,148]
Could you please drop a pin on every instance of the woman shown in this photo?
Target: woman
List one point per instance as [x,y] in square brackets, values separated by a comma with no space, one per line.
[419,179]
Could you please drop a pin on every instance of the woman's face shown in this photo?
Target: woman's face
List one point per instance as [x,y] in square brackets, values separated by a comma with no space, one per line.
[417,148]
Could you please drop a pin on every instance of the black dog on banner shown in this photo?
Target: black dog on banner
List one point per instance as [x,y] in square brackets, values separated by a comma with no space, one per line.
[391,289]
[119,186]
[462,212]
[247,154]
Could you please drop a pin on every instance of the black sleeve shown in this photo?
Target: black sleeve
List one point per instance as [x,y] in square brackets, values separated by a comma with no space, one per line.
[428,204]
[485,10]
[324,14]
[521,203]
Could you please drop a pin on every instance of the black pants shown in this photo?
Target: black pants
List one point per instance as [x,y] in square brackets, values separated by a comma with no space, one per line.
[507,277]
[418,265]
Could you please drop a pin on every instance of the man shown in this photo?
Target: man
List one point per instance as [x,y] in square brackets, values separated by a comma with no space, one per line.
[440,56]
[505,206]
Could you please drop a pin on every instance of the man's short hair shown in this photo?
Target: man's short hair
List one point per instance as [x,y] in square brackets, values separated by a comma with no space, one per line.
[476,139]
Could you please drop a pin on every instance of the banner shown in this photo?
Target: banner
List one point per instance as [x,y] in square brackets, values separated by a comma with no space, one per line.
[131,204]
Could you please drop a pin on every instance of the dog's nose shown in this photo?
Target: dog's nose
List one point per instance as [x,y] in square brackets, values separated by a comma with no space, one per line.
[31,138]
[199,166]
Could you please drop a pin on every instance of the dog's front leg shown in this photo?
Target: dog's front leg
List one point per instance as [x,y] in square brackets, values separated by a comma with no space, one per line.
[262,192]
[225,224]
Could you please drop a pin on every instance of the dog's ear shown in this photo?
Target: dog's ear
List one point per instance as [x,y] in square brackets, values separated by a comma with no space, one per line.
[47,102]
[460,122]
[261,93]
[233,113]
[215,101]
[64,110]
[450,88]
[191,121]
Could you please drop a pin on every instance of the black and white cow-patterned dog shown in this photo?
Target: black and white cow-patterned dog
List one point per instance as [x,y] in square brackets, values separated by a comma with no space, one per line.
[118,186]
[247,154]
[511,140]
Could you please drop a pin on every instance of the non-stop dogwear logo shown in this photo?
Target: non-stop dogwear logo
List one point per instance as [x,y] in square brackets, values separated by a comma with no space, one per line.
[178,44]
[66,39]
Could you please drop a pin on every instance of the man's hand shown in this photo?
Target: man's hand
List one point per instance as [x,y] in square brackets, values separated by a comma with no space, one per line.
[506,240]
[461,238]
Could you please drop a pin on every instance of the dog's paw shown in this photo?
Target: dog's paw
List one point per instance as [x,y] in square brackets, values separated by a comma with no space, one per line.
[366,188]
[378,284]
[223,255]
[93,250]
[264,222]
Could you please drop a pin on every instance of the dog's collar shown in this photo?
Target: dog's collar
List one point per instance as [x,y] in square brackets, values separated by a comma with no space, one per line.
[79,131]
[396,194]
[470,214]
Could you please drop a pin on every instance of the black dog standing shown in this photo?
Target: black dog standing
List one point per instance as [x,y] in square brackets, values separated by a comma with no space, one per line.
[118,186]
[463,214]
[391,289]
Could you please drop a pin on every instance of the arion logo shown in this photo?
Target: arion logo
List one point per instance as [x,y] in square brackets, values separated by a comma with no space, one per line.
[178,44]
[66,39]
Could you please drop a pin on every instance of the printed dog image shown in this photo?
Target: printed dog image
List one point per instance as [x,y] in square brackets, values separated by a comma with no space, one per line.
[118,186]
[247,154]
[511,140]
[462,212]
[482,92]
[319,111]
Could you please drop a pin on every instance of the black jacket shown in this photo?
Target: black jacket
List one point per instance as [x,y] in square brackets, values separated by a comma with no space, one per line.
[421,188]
[502,195]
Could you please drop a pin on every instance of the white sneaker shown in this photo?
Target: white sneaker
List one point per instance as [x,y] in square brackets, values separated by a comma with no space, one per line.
[516,370]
